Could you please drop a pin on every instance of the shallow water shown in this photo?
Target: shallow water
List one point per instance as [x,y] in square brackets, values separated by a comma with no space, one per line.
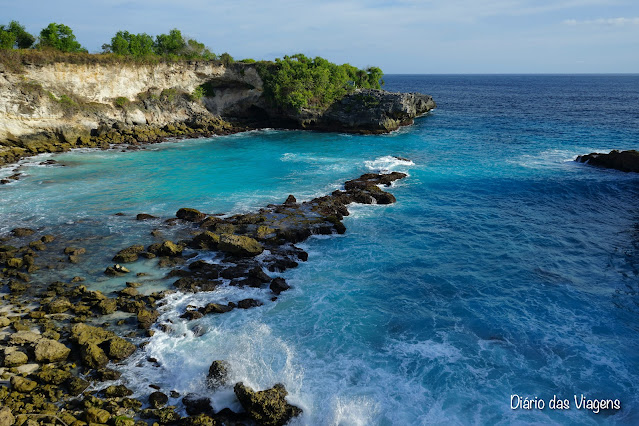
[504,268]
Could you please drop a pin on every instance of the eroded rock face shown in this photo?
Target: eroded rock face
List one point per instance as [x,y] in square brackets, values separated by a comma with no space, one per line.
[626,161]
[374,111]
[268,407]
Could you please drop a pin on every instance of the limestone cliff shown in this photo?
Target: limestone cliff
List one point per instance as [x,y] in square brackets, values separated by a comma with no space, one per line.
[57,106]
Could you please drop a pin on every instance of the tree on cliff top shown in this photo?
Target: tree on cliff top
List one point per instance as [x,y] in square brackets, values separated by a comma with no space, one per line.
[125,43]
[14,35]
[60,37]
[169,44]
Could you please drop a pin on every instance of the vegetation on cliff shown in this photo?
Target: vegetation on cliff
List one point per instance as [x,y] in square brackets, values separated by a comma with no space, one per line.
[297,82]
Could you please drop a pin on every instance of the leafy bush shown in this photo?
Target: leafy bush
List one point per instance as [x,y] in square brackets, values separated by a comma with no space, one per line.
[121,102]
[198,93]
[226,59]
[60,37]
[297,82]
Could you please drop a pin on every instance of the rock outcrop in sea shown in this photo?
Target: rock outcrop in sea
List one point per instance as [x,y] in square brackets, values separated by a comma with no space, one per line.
[626,161]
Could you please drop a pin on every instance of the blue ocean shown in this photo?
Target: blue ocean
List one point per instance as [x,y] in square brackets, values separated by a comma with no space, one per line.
[505,270]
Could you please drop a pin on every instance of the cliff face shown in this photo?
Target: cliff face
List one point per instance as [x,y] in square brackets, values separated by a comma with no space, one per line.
[58,106]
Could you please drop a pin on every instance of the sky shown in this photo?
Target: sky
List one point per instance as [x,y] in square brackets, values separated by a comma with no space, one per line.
[399,36]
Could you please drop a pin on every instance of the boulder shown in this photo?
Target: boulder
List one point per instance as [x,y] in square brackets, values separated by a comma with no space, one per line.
[170,249]
[205,240]
[145,216]
[195,404]
[97,415]
[146,318]
[6,418]
[47,350]
[22,385]
[24,337]
[279,285]
[268,407]
[129,254]
[158,400]
[190,215]
[22,232]
[290,201]
[218,374]
[248,303]
[58,305]
[77,385]
[240,245]
[53,376]
[117,391]
[15,359]
[118,348]
[93,356]
[215,308]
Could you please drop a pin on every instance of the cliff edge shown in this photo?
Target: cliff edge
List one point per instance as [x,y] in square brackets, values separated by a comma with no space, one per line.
[50,107]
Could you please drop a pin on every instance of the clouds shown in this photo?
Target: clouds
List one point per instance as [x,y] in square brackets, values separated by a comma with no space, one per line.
[614,22]
[397,35]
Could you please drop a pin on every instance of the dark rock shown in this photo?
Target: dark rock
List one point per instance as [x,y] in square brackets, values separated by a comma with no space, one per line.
[117,391]
[116,270]
[258,273]
[267,407]
[145,216]
[169,249]
[195,404]
[146,318]
[158,400]
[22,232]
[129,254]
[247,282]
[191,315]
[248,303]
[290,201]
[77,385]
[240,245]
[279,285]
[190,215]
[218,374]
[625,161]
[205,240]
[107,374]
[74,251]
[214,308]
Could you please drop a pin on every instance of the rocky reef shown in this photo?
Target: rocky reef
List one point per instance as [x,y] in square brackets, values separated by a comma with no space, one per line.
[53,107]
[59,344]
[626,161]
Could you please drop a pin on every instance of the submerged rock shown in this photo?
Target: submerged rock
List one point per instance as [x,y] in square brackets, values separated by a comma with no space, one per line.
[268,407]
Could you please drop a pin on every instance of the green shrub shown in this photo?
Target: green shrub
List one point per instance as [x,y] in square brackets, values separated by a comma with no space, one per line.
[169,94]
[197,94]
[226,59]
[121,102]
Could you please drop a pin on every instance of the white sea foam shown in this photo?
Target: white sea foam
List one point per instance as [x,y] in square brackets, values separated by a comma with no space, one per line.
[388,164]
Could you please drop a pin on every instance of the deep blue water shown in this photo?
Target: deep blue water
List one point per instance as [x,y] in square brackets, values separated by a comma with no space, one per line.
[505,268]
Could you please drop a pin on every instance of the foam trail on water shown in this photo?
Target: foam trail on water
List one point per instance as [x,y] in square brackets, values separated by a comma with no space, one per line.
[388,164]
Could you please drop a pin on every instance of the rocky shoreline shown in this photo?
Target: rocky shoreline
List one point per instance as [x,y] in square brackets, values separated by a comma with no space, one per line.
[58,106]
[59,341]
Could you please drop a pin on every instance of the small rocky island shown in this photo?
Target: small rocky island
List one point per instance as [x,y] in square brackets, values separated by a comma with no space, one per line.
[625,161]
